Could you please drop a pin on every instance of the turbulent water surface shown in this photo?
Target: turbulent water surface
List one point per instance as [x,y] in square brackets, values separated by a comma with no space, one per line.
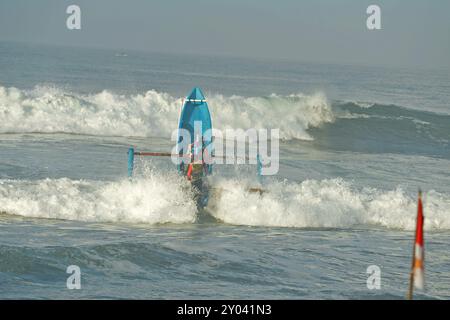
[357,143]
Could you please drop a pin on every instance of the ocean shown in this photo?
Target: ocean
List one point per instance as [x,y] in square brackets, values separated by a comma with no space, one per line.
[356,144]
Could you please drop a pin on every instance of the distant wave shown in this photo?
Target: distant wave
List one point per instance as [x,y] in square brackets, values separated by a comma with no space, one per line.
[155,114]
[165,198]
[392,127]
[52,110]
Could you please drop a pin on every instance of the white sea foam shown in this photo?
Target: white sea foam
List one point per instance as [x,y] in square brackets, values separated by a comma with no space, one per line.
[50,110]
[332,203]
[151,200]
[364,105]
[164,198]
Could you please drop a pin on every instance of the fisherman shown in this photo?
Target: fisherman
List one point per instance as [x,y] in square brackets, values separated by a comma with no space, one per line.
[197,167]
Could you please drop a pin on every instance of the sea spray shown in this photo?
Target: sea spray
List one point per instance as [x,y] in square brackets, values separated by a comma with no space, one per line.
[154,199]
[167,198]
[152,113]
[329,203]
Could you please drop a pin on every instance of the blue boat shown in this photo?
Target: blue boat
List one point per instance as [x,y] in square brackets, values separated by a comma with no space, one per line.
[194,154]
[195,119]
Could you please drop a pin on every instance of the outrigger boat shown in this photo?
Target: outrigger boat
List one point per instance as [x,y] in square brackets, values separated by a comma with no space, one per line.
[195,155]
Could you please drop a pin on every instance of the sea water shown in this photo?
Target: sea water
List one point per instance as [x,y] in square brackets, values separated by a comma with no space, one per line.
[356,144]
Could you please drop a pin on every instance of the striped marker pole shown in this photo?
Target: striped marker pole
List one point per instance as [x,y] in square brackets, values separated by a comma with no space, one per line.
[417,280]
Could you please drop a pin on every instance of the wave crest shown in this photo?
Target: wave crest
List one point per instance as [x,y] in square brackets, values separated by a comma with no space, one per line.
[157,198]
[52,110]
[330,203]
[153,200]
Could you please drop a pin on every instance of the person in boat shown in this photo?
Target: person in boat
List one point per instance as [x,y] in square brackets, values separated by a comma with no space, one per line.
[197,169]
[198,154]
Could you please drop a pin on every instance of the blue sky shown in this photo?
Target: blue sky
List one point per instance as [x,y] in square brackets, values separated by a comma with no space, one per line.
[414,33]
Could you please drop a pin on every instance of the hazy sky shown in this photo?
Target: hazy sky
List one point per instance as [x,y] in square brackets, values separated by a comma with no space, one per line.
[414,33]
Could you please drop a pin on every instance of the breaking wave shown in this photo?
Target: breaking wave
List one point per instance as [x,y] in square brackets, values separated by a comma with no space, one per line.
[153,200]
[166,198]
[53,110]
[331,203]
